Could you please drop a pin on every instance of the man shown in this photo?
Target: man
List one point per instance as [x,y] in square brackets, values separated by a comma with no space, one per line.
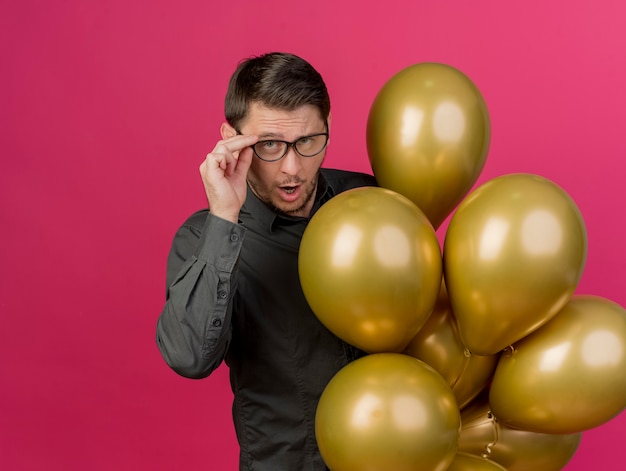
[233,289]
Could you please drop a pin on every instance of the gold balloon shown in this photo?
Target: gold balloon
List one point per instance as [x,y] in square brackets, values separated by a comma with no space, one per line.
[387,411]
[428,134]
[370,267]
[467,462]
[513,255]
[517,450]
[439,345]
[568,376]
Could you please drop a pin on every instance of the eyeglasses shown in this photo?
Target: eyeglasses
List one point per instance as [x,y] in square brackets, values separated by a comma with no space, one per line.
[272,150]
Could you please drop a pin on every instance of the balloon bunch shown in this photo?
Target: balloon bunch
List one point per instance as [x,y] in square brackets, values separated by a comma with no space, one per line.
[480,356]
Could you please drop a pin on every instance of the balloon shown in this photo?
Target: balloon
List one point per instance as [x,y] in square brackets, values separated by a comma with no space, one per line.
[516,450]
[370,267]
[467,462]
[439,345]
[428,134]
[513,255]
[568,376]
[387,411]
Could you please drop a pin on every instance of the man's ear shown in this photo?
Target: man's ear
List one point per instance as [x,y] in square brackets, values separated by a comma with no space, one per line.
[328,121]
[227,131]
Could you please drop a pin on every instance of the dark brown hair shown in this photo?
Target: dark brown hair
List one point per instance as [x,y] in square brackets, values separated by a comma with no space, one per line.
[276,80]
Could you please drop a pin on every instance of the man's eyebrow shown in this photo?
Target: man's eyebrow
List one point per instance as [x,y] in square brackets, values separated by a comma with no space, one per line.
[271,135]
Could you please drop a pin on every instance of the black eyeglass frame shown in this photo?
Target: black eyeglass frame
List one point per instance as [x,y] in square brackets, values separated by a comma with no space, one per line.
[291,144]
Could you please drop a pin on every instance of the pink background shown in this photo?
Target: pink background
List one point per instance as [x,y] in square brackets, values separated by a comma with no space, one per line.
[107,109]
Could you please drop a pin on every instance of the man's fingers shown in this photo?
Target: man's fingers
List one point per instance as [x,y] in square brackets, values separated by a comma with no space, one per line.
[244,161]
[230,156]
[227,163]
[236,143]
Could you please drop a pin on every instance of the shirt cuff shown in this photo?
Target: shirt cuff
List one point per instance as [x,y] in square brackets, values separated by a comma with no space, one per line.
[220,243]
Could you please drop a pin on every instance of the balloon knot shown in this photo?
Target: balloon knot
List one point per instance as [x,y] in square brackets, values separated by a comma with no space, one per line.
[489,446]
[509,351]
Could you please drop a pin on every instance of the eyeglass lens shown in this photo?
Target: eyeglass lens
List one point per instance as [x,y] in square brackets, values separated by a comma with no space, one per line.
[307,146]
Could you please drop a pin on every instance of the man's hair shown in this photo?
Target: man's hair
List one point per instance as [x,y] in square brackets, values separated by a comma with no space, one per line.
[275,80]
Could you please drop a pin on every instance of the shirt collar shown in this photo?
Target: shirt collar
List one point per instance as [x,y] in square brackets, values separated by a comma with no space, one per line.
[267,218]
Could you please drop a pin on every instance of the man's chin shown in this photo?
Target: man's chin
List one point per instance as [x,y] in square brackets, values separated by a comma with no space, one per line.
[292,208]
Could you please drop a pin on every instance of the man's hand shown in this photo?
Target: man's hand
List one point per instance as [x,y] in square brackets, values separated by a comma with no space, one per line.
[224,175]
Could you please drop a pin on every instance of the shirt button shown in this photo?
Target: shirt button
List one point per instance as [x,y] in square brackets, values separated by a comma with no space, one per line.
[217,322]
[222,293]
[234,237]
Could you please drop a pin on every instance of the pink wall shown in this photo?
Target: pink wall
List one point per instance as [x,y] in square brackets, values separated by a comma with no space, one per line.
[107,109]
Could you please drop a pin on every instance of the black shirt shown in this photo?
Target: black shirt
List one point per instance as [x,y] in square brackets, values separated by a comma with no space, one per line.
[234,294]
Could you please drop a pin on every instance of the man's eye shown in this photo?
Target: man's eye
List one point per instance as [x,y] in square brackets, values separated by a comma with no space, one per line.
[269,145]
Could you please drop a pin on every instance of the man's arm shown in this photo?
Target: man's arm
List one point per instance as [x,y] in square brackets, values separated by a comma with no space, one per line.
[194,328]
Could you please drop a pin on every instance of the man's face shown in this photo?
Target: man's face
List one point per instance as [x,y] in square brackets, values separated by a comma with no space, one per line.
[288,184]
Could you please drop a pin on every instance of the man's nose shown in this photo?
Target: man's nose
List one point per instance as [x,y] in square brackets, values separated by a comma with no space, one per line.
[291,163]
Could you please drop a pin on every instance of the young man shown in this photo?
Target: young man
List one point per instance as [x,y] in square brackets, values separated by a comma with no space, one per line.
[233,289]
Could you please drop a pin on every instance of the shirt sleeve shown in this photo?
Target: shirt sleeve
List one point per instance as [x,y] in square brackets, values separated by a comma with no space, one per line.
[194,329]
